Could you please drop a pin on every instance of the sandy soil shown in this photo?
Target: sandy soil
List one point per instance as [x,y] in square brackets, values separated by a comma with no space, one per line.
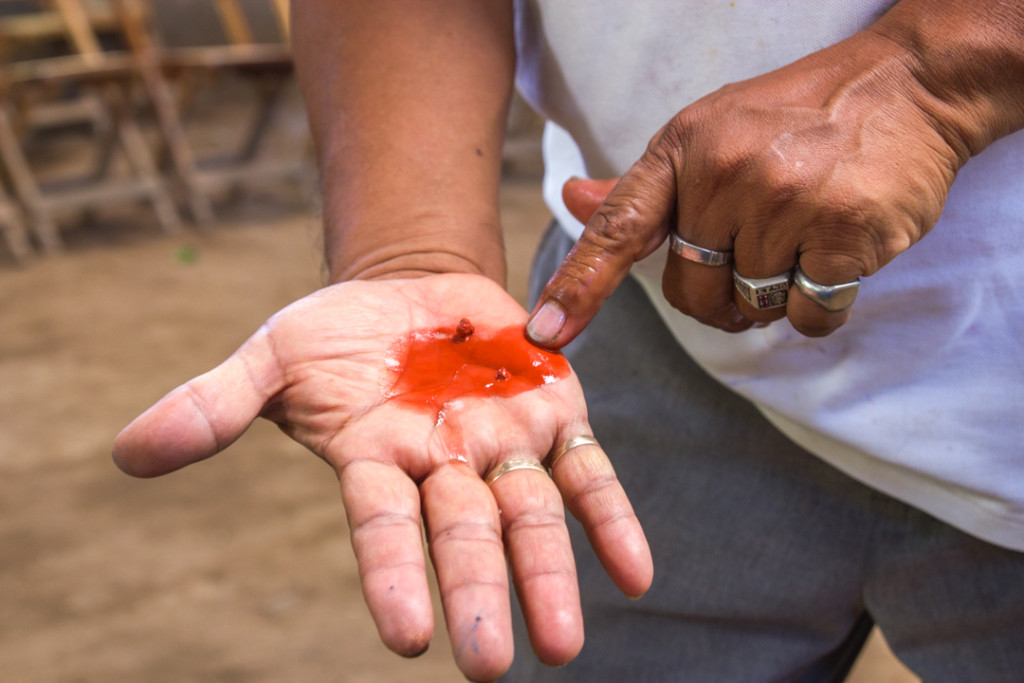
[236,569]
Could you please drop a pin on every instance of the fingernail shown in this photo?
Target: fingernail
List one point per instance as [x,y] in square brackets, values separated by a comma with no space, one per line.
[546,323]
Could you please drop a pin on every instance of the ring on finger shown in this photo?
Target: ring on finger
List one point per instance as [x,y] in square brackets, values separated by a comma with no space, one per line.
[691,252]
[568,445]
[764,292]
[830,297]
[512,465]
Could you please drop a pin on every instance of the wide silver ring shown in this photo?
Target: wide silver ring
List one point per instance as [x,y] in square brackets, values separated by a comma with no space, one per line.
[510,466]
[830,297]
[691,252]
[574,442]
[764,292]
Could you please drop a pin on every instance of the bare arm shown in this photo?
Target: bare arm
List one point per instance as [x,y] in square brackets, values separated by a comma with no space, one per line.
[407,103]
[968,58]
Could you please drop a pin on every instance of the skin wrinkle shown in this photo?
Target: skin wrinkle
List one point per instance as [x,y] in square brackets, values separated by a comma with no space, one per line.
[382,267]
[257,386]
[265,332]
[324,446]
[567,294]
[384,568]
[544,520]
[584,501]
[449,589]
[594,487]
[613,223]
[611,520]
[384,520]
[199,405]
[958,100]
[445,534]
[523,581]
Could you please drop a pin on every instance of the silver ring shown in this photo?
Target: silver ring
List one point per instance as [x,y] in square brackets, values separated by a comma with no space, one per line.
[691,252]
[511,465]
[764,292]
[830,297]
[574,442]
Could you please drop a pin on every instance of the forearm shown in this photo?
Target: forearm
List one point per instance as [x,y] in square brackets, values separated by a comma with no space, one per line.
[968,57]
[407,102]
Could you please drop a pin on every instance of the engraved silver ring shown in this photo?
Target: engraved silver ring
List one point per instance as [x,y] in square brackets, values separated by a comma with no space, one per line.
[764,292]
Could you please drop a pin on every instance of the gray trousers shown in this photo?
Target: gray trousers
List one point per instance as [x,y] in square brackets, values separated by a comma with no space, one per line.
[770,565]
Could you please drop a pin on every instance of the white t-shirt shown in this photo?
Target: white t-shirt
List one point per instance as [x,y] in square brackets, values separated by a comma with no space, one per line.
[921,394]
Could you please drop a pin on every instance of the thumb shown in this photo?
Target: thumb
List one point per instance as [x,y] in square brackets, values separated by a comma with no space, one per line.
[203,416]
[622,227]
[583,196]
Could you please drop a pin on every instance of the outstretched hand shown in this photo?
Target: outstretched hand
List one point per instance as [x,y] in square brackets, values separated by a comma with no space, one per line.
[335,372]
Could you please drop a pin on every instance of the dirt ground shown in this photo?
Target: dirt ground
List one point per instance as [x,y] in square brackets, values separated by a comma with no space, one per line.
[236,569]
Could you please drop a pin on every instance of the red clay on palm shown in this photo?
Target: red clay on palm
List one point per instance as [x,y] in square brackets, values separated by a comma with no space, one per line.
[463,331]
[435,367]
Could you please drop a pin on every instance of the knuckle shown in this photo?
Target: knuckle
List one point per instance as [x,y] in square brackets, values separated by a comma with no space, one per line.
[833,265]
[598,497]
[728,160]
[613,224]
[374,523]
[531,498]
[535,521]
[784,183]
[858,231]
[572,286]
[465,533]
[677,134]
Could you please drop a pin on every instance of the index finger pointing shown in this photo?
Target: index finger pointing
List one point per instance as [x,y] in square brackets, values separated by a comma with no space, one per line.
[628,226]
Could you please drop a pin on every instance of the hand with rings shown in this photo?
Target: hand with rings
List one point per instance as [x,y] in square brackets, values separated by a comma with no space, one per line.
[469,469]
[777,194]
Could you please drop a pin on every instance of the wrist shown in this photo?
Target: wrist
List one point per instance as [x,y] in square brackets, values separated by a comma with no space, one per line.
[414,265]
[392,252]
[967,62]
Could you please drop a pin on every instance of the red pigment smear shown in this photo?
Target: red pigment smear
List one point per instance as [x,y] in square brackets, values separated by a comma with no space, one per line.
[441,365]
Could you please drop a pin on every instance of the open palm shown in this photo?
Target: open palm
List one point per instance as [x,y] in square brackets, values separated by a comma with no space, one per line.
[326,370]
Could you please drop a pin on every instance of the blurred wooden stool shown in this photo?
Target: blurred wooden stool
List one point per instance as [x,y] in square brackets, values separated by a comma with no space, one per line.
[173,74]
[80,69]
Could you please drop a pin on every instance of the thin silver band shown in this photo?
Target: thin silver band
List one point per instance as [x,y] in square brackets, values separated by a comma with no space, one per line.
[764,292]
[830,297]
[574,442]
[691,252]
[511,465]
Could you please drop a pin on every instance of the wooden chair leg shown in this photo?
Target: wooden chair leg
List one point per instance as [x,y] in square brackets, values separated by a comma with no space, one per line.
[173,133]
[13,229]
[138,156]
[26,188]
[141,160]
[270,93]
[106,135]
